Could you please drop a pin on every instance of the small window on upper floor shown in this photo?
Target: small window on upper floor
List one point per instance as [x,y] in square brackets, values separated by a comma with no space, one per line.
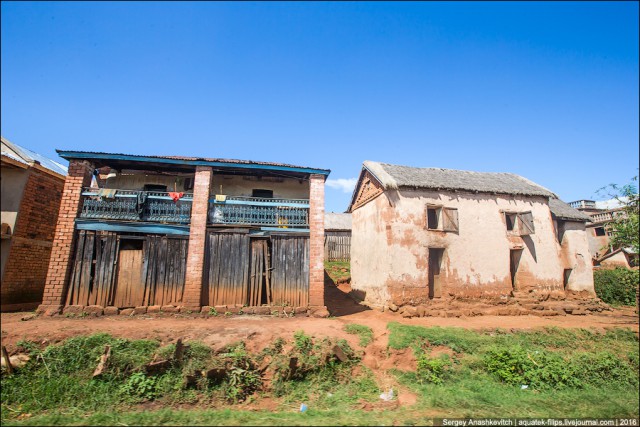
[258,192]
[441,218]
[599,231]
[519,223]
[155,187]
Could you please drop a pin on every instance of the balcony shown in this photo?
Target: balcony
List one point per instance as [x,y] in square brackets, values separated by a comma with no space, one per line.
[132,205]
[266,212]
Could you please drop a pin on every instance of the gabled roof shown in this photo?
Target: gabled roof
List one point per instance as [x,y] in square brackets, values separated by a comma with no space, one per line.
[561,210]
[105,158]
[337,221]
[397,176]
[30,158]
[627,250]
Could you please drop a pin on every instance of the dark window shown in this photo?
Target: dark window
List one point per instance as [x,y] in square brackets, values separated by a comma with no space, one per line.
[599,231]
[432,218]
[257,192]
[154,187]
[511,220]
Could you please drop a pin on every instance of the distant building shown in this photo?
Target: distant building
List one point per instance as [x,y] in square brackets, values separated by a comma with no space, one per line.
[599,232]
[337,236]
[31,193]
[427,233]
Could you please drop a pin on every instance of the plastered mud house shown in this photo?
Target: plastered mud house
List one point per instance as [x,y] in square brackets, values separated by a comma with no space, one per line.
[186,233]
[31,193]
[420,234]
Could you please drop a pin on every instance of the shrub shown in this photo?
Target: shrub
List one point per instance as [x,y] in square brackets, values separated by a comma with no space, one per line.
[432,370]
[617,286]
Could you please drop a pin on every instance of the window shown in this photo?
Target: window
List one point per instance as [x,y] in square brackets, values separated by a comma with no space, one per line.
[155,187]
[519,223]
[441,218]
[258,192]
[599,231]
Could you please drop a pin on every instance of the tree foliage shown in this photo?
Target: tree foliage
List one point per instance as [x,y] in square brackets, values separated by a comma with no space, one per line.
[624,226]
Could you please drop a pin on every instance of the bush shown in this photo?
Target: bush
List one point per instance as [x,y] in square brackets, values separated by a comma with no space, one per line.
[432,370]
[617,286]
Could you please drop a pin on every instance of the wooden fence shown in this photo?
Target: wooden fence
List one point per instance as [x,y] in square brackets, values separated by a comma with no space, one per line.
[337,245]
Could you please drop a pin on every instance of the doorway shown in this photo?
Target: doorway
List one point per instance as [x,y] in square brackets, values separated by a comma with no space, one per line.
[514,263]
[435,263]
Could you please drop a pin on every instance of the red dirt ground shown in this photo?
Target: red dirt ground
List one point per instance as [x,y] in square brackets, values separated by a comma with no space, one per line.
[259,331]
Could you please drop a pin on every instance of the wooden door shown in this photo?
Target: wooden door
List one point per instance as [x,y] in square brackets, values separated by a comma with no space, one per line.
[130,285]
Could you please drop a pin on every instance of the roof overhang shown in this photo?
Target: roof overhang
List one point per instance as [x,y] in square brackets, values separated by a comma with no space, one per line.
[127,161]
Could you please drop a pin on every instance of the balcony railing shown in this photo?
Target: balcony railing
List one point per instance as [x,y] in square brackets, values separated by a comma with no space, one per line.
[131,205]
[283,213]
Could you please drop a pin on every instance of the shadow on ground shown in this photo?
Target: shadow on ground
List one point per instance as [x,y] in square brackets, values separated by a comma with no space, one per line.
[339,299]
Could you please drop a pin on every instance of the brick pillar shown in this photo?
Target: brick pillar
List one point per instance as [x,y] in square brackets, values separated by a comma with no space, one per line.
[78,176]
[197,239]
[316,240]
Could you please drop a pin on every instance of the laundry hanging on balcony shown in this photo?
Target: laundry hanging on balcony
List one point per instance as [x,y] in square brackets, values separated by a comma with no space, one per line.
[107,193]
[175,195]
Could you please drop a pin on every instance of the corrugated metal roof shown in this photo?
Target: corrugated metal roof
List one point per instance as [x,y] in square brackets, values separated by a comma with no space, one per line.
[69,154]
[397,176]
[26,156]
[337,221]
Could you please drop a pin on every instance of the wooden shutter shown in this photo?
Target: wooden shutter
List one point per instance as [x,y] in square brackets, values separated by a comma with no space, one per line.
[450,219]
[525,224]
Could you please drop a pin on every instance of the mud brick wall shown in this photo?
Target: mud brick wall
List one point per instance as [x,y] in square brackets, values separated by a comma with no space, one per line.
[31,241]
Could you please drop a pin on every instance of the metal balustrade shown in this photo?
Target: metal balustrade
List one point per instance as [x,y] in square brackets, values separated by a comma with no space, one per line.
[238,210]
[131,205]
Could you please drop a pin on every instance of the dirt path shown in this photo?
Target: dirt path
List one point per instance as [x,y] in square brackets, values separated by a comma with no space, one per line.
[259,331]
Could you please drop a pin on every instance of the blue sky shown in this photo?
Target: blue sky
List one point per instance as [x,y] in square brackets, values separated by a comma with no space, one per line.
[546,90]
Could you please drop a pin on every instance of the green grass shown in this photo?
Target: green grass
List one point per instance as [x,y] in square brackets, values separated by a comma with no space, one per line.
[569,373]
[338,270]
[364,332]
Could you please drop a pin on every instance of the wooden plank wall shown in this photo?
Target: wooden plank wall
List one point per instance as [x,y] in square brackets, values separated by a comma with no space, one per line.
[290,270]
[227,273]
[337,245]
[94,277]
[164,270]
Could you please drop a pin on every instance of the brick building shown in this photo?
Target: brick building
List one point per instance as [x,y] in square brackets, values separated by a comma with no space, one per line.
[183,233]
[31,192]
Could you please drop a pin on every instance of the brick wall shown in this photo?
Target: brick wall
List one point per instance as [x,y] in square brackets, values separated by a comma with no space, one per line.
[31,241]
[197,237]
[316,240]
[79,175]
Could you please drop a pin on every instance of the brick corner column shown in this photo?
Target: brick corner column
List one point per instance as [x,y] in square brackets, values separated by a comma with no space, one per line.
[197,238]
[316,240]
[79,175]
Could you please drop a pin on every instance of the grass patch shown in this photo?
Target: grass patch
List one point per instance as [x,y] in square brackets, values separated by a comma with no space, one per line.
[544,373]
[338,270]
[364,332]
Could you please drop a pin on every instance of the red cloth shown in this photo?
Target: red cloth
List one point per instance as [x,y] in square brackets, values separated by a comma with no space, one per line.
[175,196]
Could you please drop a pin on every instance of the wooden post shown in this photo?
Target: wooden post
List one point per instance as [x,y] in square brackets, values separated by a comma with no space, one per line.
[6,359]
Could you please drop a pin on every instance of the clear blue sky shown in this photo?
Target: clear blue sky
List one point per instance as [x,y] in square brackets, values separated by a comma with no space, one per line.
[546,90]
